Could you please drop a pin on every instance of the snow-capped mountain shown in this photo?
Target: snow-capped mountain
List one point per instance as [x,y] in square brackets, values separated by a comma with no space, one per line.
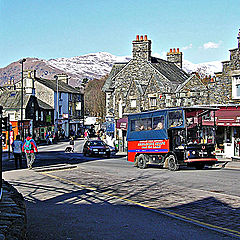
[208,68]
[94,65]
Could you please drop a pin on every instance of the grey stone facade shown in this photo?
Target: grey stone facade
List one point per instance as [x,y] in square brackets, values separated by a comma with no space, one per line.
[223,90]
[149,83]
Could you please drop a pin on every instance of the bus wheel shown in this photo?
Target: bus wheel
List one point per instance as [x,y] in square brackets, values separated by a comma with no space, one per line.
[172,164]
[136,161]
[142,163]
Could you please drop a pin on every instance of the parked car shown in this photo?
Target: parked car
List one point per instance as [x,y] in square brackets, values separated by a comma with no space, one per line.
[96,147]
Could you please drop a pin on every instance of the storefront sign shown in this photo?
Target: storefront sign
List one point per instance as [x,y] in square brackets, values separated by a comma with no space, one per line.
[122,123]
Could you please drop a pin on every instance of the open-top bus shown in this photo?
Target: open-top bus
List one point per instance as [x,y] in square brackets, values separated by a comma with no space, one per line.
[172,137]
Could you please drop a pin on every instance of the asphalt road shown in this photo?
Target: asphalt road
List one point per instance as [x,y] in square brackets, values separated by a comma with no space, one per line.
[95,198]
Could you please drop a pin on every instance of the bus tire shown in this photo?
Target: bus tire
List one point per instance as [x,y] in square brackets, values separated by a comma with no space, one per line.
[136,161]
[141,161]
[172,163]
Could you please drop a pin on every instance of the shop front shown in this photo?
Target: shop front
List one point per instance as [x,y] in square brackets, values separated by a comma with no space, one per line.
[121,128]
[228,131]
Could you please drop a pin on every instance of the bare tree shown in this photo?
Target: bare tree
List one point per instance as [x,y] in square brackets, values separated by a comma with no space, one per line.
[94,98]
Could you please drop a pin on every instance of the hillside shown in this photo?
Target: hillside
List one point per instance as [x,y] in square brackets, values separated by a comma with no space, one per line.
[91,66]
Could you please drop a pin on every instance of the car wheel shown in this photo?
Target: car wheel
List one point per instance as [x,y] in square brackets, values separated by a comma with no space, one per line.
[172,163]
[142,162]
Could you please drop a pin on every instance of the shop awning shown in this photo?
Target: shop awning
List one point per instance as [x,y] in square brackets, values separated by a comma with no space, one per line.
[228,116]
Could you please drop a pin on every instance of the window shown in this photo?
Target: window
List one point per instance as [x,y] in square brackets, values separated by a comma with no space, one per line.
[153,102]
[70,97]
[36,115]
[60,110]
[141,124]
[236,87]
[41,115]
[158,123]
[175,118]
[133,103]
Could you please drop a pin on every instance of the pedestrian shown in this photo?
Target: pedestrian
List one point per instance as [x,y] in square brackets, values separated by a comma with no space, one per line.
[86,135]
[29,147]
[72,143]
[17,151]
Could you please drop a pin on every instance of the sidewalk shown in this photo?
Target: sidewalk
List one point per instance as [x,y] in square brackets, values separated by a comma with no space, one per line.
[13,220]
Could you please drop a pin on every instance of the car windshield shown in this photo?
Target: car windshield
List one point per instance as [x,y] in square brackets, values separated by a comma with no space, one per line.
[97,143]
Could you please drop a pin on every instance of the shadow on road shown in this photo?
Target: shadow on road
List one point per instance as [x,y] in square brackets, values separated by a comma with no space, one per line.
[51,158]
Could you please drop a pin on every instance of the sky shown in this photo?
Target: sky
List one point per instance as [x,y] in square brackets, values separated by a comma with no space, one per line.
[203,30]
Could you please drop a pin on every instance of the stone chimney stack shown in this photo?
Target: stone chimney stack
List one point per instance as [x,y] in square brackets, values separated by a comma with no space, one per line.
[141,48]
[63,77]
[175,57]
[28,81]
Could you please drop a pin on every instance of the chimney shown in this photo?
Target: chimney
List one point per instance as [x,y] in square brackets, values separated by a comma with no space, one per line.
[28,81]
[63,77]
[141,49]
[175,57]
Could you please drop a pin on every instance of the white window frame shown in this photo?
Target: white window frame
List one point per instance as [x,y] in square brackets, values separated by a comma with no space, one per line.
[235,86]
[133,103]
[153,101]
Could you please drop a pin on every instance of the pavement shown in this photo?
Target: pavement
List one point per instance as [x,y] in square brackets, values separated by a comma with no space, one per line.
[13,217]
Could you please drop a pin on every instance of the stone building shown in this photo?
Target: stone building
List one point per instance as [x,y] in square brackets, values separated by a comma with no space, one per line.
[148,83]
[224,92]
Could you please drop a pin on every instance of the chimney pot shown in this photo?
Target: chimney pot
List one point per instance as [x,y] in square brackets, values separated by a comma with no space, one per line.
[137,38]
[145,38]
[141,38]
[178,50]
[174,50]
[170,50]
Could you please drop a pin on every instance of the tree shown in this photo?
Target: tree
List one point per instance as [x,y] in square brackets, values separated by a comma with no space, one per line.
[94,98]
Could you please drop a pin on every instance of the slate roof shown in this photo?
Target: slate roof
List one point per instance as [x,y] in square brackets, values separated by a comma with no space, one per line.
[168,69]
[62,86]
[12,99]
[44,105]
[109,83]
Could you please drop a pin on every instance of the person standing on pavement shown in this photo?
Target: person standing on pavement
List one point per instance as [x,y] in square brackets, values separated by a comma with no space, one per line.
[17,151]
[29,147]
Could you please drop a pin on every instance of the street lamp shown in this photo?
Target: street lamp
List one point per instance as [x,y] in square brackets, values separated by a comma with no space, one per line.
[21,62]
[56,77]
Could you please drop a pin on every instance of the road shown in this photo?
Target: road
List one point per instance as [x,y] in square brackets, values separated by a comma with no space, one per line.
[96,198]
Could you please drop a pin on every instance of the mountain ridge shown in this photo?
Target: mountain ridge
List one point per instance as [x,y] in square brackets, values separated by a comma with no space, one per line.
[91,66]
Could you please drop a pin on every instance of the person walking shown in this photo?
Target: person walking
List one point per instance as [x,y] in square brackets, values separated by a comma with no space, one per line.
[72,143]
[86,135]
[17,151]
[29,147]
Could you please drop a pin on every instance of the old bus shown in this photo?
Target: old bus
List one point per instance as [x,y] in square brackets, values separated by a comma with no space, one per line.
[172,137]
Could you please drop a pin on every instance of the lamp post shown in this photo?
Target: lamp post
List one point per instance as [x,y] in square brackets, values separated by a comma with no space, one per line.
[21,62]
[56,77]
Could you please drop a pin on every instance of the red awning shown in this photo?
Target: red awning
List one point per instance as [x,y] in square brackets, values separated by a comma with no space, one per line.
[228,116]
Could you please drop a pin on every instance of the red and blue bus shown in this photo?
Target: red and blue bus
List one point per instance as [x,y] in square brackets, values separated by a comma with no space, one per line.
[172,137]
